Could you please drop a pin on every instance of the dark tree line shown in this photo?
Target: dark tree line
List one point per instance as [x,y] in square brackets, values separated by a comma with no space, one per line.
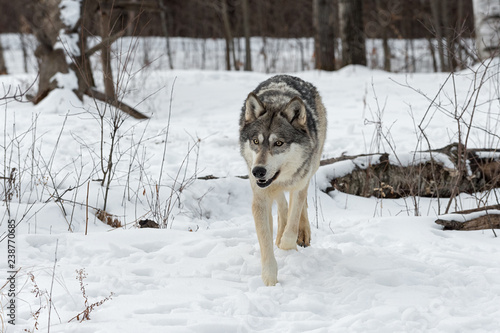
[277,18]
[339,27]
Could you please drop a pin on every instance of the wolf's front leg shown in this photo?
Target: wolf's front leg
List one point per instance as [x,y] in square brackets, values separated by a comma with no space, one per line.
[297,204]
[282,216]
[261,209]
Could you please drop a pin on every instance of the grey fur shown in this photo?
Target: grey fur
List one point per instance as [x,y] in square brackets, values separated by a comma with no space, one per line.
[282,133]
[278,90]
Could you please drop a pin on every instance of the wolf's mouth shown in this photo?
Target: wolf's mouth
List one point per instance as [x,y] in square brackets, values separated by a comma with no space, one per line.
[265,183]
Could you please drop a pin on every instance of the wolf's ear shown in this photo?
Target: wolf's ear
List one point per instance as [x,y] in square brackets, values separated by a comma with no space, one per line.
[253,108]
[295,111]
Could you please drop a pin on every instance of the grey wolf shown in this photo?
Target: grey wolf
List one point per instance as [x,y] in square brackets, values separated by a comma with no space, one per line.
[282,133]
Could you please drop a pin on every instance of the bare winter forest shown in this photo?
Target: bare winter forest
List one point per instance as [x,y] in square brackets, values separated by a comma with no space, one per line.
[266,36]
[339,29]
[124,200]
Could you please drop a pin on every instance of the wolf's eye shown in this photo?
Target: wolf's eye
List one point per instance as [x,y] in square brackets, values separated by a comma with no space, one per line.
[255,141]
[278,143]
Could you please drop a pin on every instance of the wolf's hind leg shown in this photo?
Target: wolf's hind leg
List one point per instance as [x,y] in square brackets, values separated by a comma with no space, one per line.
[304,237]
[282,216]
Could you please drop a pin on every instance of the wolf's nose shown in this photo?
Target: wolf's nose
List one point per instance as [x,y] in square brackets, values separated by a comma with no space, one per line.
[259,172]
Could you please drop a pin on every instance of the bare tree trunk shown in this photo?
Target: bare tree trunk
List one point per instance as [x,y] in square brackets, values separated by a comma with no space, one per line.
[83,66]
[227,33]
[164,27]
[387,52]
[263,51]
[131,16]
[25,30]
[107,72]
[235,60]
[384,19]
[24,50]
[459,30]
[433,55]
[246,28]
[324,38]
[436,21]
[352,33]
[229,38]
[448,34]
[302,59]
[487,23]
[228,56]
[3,68]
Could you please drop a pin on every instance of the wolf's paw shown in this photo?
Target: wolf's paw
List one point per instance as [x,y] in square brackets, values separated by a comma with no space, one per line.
[269,281]
[304,238]
[288,242]
[270,274]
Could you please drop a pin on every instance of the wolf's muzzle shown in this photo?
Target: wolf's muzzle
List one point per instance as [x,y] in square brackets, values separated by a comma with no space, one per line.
[260,174]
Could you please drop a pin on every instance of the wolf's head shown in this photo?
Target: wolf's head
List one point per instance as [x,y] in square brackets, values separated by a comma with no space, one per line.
[274,138]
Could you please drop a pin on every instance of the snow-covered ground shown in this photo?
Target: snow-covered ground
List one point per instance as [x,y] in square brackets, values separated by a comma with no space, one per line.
[373,265]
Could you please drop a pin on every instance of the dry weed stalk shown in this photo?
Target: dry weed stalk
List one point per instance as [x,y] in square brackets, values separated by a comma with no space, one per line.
[81,275]
[38,294]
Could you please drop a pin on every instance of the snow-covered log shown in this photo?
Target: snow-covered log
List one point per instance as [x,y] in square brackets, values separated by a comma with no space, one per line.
[435,173]
[473,219]
[487,24]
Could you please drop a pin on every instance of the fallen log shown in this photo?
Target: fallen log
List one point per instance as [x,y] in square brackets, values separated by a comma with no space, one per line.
[433,173]
[472,219]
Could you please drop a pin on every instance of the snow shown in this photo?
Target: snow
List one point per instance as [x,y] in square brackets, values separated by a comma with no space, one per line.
[68,42]
[488,154]
[421,157]
[70,12]
[373,266]
[66,81]
[469,216]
